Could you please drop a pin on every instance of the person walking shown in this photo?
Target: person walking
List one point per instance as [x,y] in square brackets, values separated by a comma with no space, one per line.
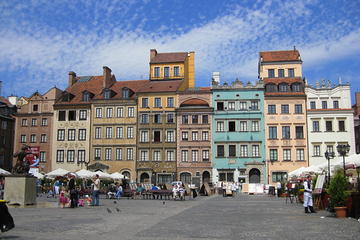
[96,189]
[308,202]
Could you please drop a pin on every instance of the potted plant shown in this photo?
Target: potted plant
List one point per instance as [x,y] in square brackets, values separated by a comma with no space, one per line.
[338,193]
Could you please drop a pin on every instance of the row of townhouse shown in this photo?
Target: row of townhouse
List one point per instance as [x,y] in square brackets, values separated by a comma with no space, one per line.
[164,128]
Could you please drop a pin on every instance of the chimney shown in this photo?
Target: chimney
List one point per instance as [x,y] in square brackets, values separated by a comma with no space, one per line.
[153,53]
[72,78]
[107,77]
[216,78]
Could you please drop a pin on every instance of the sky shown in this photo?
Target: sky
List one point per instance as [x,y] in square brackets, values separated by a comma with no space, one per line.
[41,40]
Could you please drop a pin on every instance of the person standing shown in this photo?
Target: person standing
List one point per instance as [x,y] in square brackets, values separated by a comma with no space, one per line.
[73,192]
[96,189]
[308,202]
[278,188]
[57,185]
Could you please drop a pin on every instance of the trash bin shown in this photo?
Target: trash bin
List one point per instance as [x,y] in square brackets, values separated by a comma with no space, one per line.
[6,220]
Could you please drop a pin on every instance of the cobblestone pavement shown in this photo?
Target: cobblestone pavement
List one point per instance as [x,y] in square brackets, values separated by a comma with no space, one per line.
[242,217]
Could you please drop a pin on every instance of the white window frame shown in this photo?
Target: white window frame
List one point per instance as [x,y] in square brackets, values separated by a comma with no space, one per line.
[82,134]
[81,156]
[98,112]
[243,126]
[97,132]
[131,111]
[255,150]
[220,126]
[244,151]
[195,155]
[108,132]
[184,155]
[130,132]
[205,135]
[71,134]
[108,154]
[119,112]
[119,132]
[118,154]
[109,112]
[129,154]
[157,155]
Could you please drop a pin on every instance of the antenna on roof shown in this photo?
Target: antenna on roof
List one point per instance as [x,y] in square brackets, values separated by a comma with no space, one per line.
[0,88]
[340,81]
[294,48]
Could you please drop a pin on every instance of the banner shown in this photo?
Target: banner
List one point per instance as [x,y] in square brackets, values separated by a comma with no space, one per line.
[33,156]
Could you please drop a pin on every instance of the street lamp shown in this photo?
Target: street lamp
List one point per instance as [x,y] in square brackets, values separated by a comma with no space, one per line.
[343,149]
[328,156]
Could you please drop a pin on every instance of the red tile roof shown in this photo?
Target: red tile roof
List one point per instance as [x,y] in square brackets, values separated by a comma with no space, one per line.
[283,80]
[281,94]
[280,56]
[160,86]
[117,87]
[194,102]
[169,57]
[6,101]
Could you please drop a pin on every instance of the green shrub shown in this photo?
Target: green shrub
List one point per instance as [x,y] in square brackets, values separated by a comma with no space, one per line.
[337,190]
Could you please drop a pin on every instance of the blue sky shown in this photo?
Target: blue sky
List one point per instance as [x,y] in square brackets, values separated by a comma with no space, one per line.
[41,41]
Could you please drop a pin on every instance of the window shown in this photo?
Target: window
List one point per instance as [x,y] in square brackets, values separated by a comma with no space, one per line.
[108,132]
[98,133]
[35,108]
[119,132]
[205,119]
[109,112]
[82,134]
[170,118]
[184,155]
[255,126]
[194,136]
[107,94]
[341,126]
[296,87]
[176,71]
[157,137]
[42,156]
[220,151]
[291,72]
[60,156]
[108,153]
[283,87]
[300,154]
[61,134]
[86,97]
[220,106]
[273,154]
[243,126]
[70,156]
[324,104]
[166,72]
[71,134]
[129,154]
[118,154]
[130,132]
[205,136]
[205,155]
[316,126]
[271,88]
[220,126]
[254,105]
[170,102]
[281,73]
[287,154]
[194,119]
[157,118]
[329,127]
[82,115]
[272,132]
[243,150]
[81,156]
[195,155]
[271,73]
[184,136]
[279,176]
[144,102]
[144,136]
[286,132]
[97,153]
[72,115]
[130,111]
[119,112]
[231,106]
[33,122]
[144,155]
[144,118]
[23,122]
[312,105]
[62,116]
[255,150]
[170,154]
[330,148]
[44,122]
[98,113]
[231,126]
[317,151]
[43,138]
[336,104]
[157,72]
[272,109]
[170,136]
[185,119]
[299,132]
[298,108]
[284,108]
[126,93]
[157,102]
[232,150]
[23,138]
[243,106]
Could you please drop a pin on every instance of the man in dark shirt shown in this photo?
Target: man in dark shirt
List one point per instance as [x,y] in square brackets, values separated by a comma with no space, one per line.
[73,192]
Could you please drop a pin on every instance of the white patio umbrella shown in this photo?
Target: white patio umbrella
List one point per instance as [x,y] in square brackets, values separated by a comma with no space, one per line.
[117,175]
[83,173]
[39,175]
[58,172]
[102,174]
[4,172]
[297,172]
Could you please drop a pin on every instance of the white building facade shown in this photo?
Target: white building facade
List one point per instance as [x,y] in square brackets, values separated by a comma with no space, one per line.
[330,120]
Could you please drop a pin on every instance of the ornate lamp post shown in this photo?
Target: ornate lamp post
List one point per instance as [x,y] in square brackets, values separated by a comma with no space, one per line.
[328,156]
[343,149]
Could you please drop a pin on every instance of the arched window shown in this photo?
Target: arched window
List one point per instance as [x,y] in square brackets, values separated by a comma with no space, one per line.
[283,87]
[185,177]
[126,174]
[144,178]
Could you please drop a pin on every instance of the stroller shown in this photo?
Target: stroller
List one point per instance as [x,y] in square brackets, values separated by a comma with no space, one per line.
[6,220]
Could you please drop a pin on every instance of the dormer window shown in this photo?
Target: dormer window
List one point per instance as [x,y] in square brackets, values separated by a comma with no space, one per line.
[86,97]
[271,88]
[296,87]
[283,87]
[107,94]
[125,93]
[67,97]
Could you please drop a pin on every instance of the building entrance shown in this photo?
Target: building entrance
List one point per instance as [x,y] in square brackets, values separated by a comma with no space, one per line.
[254,176]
